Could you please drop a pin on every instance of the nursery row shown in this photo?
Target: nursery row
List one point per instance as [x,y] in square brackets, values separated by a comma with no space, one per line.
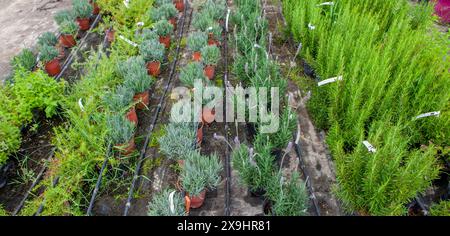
[389,66]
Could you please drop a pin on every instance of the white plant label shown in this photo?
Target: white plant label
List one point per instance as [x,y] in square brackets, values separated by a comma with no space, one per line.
[80,104]
[369,147]
[330,80]
[311,26]
[434,113]
[228,17]
[126,3]
[128,41]
[326,4]
[140,24]
[171,204]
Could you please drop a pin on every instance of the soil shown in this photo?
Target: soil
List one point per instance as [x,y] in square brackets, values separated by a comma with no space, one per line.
[22,21]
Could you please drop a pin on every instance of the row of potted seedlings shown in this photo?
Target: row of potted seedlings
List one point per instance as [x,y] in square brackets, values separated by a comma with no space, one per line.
[139,74]
[69,23]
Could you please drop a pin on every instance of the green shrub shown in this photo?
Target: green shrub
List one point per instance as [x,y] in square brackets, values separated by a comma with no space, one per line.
[200,172]
[197,40]
[440,209]
[64,15]
[68,27]
[178,140]
[162,2]
[164,12]
[202,22]
[10,140]
[162,206]
[135,74]
[210,55]
[215,9]
[48,53]
[163,28]
[120,100]
[120,130]
[192,72]
[216,30]
[82,8]
[47,38]
[25,60]
[152,50]
[288,124]
[149,34]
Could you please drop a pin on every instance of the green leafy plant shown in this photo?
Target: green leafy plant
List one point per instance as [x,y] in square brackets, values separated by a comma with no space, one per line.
[81,8]
[210,55]
[163,28]
[215,29]
[68,27]
[135,74]
[162,2]
[64,15]
[200,172]
[168,202]
[48,53]
[215,9]
[202,22]
[289,198]
[3,212]
[192,72]
[288,124]
[164,12]
[197,40]
[152,50]
[10,140]
[149,34]
[120,129]
[440,209]
[178,140]
[47,38]
[120,100]
[25,59]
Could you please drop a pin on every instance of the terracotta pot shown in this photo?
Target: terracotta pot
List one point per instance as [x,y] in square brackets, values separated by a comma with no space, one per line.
[154,68]
[181,163]
[209,71]
[179,4]
[187,203]
[143,99]
[165,40]
[83,23]
[96,8]
[173,21]
[208,115]
[53,67]
[126,148]
[200,135]
[196,56]
[67,40]
[110,35]
[132,116]
[212,42]
[197,201]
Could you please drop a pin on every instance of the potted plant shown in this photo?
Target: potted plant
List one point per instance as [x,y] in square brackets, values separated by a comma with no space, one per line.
[199,173]
[215,9]
[192,72]
[168,202]
[210,58]
[148,34]
[164,12]
[178,141]
[214,34]
[153,53]
[82,10]
[68,30]
[95,7]
[202,22]
[162,2]
[49,56]
[120,101]
[196,41]
[25,59]
[121,133]
[179,5]
[48,38]
[137,79]
[164,30]
[63,15]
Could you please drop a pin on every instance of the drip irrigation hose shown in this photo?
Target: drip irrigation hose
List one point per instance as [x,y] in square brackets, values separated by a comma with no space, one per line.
[421,204]
[41,206]
[155,117]
[99,181]
[227,150]
[69,59]
[36,181]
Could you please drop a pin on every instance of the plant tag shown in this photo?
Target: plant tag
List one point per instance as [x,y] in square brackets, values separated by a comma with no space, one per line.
[434,113]
[369,147]
[80,104]
[330,80]
[326,4]
[171,205]
[128,41]
[227,19]
[210,28]
[311,27]
[140,24]
[126,3]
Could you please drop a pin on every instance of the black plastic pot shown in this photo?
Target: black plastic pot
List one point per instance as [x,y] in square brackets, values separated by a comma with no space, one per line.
[4,174]
[251,129]
[267,207]
[211,193]
[278,154]
[309,71]
[259,193]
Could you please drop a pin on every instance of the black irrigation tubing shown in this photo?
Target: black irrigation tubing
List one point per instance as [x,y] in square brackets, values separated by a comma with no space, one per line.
[70,58]
[155,117]
[227,150]
[99,181]
[41,206]
[36,181]
[419,200]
